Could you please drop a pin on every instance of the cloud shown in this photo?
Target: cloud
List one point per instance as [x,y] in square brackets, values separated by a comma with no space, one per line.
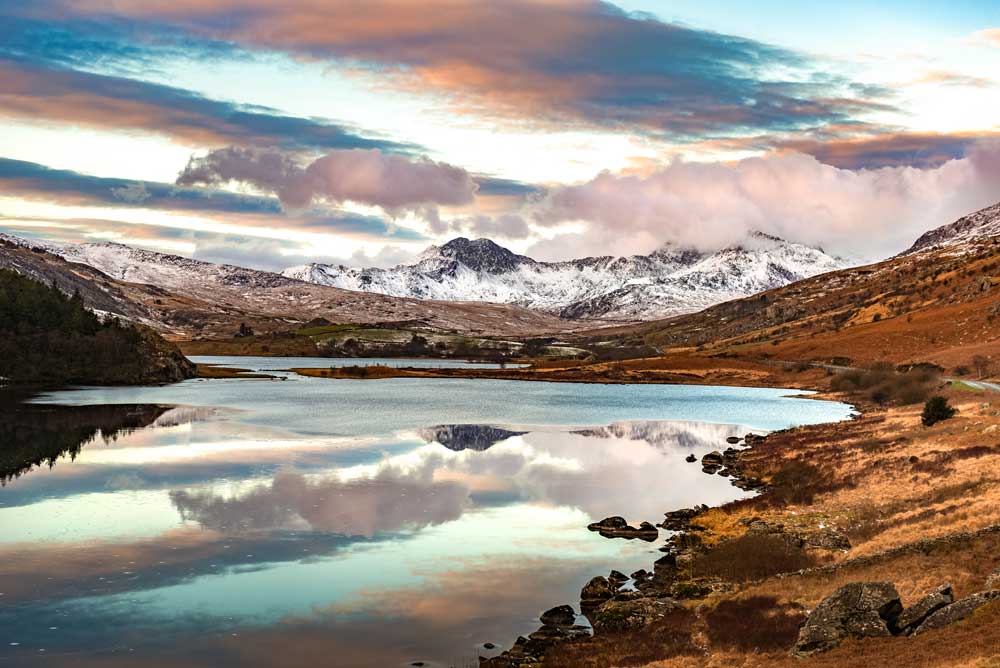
[987,37]
[390,181]
[869,213]
[52,93]
[585,62]
[948,78]
[914,149]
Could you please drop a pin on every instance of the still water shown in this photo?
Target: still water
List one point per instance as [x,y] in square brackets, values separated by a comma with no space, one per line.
[312,522]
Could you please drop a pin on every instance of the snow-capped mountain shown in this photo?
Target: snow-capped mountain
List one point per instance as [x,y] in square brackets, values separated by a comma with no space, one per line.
[979,225]
[668,281]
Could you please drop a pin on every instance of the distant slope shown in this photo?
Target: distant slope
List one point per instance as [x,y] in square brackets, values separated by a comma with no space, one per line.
[184,298]
[668,281]
[47,338]
[978,225]
[940,304]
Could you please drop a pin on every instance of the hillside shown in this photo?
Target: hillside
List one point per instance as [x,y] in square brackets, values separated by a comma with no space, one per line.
[668,281]
[47,338]
[937,303]
[183,298]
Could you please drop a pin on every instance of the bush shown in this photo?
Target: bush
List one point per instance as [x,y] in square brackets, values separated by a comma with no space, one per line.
[751,557]
[935,410]
[884,384]
[754,624]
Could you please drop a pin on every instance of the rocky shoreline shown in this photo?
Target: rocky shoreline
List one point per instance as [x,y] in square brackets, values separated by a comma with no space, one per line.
[631,604]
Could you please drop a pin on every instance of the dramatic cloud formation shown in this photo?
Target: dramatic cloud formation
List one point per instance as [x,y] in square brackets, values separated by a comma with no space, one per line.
[390,181]
[583,62]
[913,149]
[55,94]
[867,213]
[31,181]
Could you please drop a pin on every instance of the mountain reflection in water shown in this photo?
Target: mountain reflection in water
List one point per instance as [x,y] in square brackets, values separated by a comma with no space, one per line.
[195,536]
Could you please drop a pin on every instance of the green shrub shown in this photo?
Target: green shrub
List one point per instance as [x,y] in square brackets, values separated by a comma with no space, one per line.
[937,409]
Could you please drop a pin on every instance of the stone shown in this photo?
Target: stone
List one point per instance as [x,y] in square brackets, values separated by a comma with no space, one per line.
[827,539]
[690,459]
[733,440]
[713,458]
[595,592]
[617,527]
[957,611]
[489,645]
[617,578]
[856,610]
[914,616]
[678,520]
[616,616]
[561,615]
[993,580]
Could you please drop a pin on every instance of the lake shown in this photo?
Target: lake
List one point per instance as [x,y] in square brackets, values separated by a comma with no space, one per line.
[305,522]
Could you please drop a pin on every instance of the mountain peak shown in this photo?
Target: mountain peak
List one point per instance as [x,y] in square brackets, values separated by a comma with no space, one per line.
[482,255]
[981,224]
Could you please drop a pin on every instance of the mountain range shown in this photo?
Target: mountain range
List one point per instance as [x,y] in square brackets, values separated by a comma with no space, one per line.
[669,281]
[457,286]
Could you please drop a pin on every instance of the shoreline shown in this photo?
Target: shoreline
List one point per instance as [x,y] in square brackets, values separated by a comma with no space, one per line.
[713,560]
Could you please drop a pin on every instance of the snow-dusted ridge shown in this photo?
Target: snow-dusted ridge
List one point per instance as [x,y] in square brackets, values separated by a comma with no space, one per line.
[668,281]
[979,225]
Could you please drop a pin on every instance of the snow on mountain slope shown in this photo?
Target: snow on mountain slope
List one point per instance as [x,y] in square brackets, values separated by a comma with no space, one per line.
[978,225]
[669,281]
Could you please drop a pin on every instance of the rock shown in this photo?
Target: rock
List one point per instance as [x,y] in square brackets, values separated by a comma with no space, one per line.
[678,520]
[753,439]
[713,458]
[733,440]
[608,524]
[993,581]
[690,459]
[914,616]
[489,645]
[616,616]
[595,592]
[856,610]
[617,527]
[827,539]
[617,578]
[561,615]
[957,611]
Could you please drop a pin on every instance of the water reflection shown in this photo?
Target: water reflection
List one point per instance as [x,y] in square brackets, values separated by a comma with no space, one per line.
[198,536]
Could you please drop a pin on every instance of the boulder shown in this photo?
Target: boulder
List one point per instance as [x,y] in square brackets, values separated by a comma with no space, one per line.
[914,616]
[615,616]
[690,459]
[827,539]
[617,527]
[595,592]
[993,580]
[713,458]
[958,610]
[856,610]
[733,440]
[561,615]
[678,520]
[617,578]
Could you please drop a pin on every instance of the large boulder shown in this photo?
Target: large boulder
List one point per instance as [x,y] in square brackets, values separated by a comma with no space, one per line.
[958,610]
[617,527]
[856,610]
[914,616]
[632,614]
[595,592]
[561,615]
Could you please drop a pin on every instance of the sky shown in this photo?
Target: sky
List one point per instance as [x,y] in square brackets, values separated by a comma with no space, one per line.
[271,134]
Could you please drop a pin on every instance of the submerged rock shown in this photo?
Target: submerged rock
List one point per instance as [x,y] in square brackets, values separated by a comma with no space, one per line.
[561,615]
[856,610]
[617,527]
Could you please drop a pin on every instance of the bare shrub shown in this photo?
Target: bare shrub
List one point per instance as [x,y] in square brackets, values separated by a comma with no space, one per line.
[751,557]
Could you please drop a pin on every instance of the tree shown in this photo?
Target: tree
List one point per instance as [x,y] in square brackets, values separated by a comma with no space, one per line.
[935,410]
[982,365]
